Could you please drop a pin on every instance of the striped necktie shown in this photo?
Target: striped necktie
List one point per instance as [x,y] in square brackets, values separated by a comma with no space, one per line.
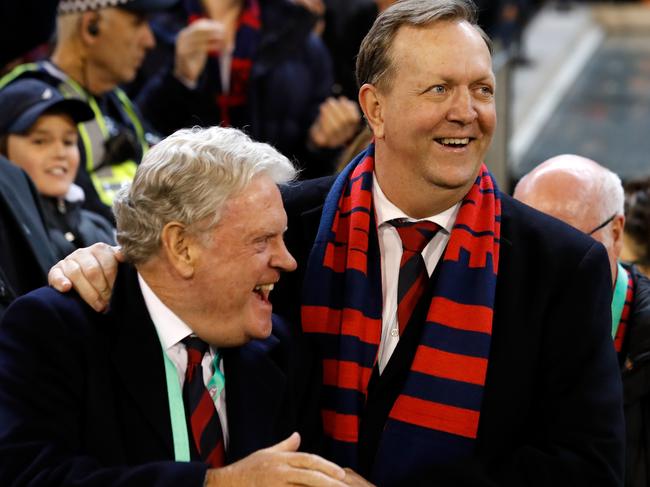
[413,275]
[200,409]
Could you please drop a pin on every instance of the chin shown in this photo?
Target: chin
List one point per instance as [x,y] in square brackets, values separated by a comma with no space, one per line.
[55,192]
[452,183]
[455,177]
[128,77]
[262,329]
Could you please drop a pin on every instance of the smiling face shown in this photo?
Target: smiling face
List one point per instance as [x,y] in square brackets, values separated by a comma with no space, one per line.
[48,153]
[434,121]
[238,264]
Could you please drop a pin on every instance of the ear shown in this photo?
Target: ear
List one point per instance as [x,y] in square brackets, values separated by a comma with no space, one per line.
[371,102]
[618,225]
[180,249]
[89,24]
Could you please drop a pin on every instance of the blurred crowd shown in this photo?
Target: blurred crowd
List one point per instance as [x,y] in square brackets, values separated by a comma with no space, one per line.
[86,91]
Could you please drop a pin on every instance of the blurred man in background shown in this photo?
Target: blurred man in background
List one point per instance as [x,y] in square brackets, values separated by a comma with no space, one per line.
[590,197]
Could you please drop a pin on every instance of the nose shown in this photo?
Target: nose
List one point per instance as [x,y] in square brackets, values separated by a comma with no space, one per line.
[148,39]
[60,149]
[462,109]
[282,259]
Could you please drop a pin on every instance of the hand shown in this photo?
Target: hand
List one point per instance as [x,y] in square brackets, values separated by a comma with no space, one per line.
[90,271]
[337,122]
[278,465]
[193,45]
[355,480]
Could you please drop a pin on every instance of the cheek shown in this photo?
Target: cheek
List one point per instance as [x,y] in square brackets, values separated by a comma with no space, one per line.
[29,159]
[488,119]
[425,118]
[73,159]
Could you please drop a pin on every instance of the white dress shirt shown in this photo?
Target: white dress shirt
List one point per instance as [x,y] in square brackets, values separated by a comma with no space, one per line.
[390,249]
[171,330]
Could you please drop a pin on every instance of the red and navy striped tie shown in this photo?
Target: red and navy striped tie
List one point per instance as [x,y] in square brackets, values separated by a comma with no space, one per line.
[201,411]
[413,275]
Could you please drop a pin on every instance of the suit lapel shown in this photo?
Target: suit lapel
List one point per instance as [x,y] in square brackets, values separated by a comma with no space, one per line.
[138,356]
[255,389]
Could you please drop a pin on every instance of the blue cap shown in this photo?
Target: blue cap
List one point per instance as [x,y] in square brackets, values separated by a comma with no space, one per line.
[143,6]
[25,100]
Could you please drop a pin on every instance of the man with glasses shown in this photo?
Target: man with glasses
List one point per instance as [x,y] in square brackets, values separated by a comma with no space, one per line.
[101,45]
[590,197]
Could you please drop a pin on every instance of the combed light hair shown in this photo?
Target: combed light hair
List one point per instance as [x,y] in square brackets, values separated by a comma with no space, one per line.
[374,63]
[187,178]
[612,195]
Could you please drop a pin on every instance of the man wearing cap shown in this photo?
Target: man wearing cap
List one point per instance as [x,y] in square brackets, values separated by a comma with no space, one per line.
[100,45]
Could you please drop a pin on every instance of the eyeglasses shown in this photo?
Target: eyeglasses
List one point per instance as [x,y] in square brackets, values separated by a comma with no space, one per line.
[603,225]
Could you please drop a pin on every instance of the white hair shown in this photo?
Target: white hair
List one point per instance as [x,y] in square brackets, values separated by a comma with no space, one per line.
[611,194]
[187,178]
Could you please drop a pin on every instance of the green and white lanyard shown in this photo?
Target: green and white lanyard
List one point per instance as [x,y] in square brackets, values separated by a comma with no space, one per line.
[618,300]
[180,436]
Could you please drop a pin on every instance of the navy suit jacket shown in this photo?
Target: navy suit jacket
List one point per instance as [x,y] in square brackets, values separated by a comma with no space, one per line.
[83,396]
[552,407]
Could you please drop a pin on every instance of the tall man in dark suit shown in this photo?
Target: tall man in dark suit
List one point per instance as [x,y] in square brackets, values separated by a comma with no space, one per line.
[136,396]
[464,337]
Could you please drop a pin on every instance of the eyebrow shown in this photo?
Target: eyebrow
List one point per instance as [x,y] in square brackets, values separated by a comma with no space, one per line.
[47,132]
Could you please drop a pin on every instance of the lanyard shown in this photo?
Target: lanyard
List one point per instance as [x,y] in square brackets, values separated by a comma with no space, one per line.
[176,412]
[177,409]
[618,300]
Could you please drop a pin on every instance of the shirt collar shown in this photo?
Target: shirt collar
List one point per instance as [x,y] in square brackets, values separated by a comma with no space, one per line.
[171,329]
[385,210]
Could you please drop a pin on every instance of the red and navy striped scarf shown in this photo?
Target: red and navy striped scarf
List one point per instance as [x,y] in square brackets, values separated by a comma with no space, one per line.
[619,339]
[232,104]
[435,418]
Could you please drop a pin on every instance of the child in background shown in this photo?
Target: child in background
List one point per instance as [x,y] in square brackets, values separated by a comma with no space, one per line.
[38,133]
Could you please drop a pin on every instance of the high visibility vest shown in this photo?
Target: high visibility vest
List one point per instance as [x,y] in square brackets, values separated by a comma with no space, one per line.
[107,179]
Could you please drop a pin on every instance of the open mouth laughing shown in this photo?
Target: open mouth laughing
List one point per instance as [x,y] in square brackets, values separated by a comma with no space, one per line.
[454,143]
[263,291]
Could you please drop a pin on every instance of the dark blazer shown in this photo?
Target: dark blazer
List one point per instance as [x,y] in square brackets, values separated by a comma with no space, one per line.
[83,397]
[23,237]
[552,410]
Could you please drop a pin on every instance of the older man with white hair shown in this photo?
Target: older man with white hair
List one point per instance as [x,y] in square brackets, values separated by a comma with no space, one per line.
[186,379]
[590,197]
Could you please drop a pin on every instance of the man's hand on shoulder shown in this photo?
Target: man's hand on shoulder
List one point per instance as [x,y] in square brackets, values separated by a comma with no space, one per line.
[91,271]
[278,465]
